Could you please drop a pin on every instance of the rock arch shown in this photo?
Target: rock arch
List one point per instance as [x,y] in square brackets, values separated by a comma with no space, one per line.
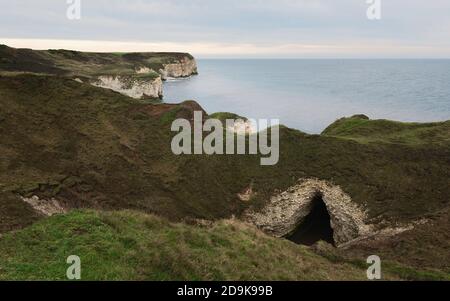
[315,226]
[286,211]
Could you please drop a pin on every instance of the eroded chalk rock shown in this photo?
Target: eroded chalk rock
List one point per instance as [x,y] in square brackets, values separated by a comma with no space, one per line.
[143,70]
[45,207]
[184,67]
[242,127]
[134,87]
[287,210]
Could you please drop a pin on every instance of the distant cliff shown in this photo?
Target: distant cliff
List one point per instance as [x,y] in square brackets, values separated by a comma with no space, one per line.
[183,67]
[138,75]
[131,85]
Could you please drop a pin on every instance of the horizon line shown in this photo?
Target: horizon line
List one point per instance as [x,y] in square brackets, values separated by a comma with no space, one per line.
[206,50]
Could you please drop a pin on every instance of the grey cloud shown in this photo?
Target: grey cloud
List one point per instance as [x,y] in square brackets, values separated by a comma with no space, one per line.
[424,23]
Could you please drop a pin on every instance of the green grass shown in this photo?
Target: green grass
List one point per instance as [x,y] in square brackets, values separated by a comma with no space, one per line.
[128,245]
[134,246]
[363,130]
[414,274]
[223,116]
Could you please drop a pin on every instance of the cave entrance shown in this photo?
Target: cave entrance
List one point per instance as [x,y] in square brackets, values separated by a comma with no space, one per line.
[315,227]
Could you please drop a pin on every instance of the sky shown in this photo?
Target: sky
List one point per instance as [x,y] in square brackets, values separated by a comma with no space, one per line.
[234,28]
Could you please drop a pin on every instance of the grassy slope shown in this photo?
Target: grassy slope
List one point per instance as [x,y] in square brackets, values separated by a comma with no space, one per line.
[128,245]
[94,148]
[135,246]
[363,130]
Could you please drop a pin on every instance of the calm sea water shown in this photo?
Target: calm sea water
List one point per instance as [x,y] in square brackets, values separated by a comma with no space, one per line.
[310,94]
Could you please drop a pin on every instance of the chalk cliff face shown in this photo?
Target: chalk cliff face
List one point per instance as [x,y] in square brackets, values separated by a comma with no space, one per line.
[139,88]
[287,210]
[184,67]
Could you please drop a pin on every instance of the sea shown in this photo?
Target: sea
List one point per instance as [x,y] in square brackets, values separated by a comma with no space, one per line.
[310,94]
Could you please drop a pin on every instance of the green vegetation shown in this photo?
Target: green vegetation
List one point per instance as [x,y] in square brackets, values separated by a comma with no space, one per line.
[128,245]
[223,116]
[54,129]
[93,148]
[134,246]
[85,64]
[363,130]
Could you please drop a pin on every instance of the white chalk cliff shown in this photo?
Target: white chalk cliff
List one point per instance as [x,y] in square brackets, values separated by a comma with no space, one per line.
[138,88]
[141,87]
[184,67]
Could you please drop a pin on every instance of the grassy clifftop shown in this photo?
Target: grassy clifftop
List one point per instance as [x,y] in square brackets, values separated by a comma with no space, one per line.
[364,130]
[94,148]
[84,64]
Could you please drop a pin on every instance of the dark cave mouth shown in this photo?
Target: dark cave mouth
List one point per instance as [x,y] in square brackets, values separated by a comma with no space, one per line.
[315,227]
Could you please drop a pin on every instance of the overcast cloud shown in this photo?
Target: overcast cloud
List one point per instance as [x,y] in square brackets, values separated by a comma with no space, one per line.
[233,28]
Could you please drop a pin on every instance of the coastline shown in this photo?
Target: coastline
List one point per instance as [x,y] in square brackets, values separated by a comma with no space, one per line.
[90,161]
